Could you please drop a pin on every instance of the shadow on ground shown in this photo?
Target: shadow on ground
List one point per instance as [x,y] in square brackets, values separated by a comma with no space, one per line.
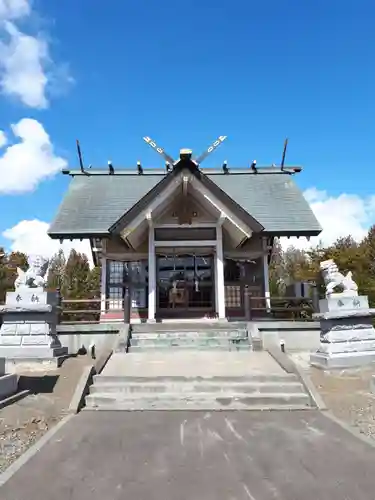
[37,384]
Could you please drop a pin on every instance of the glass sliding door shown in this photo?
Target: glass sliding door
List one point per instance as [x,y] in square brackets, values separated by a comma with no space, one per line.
[185,284]
[119,273]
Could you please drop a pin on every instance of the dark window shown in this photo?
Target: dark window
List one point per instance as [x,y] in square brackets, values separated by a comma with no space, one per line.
[185,234]
[232,271]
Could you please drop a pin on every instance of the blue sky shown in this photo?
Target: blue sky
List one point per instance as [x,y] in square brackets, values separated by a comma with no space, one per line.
[184,73]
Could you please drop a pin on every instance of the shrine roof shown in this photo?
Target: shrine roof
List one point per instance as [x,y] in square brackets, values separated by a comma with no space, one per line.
[95,201]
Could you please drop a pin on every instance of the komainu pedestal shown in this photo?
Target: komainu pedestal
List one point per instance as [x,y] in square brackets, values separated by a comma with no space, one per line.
[29,318]
[347,337]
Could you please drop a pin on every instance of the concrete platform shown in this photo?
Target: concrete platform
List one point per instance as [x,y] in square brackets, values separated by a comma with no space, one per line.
[192,364]
[195,456]
[14,365]
[328,361]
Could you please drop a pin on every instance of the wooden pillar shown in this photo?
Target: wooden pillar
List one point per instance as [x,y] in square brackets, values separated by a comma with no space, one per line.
[151,271]
[127,303]
[266,276]
[247,302]
[220,290]
[215,286]
[103,285]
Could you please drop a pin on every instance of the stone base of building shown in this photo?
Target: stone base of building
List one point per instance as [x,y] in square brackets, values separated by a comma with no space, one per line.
[327,361]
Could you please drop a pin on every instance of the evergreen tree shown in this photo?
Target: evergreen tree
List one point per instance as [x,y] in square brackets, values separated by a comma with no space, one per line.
[76,276]
[80,283]
[368,246]
[94,282]
[3,275]
[56,271]
[276,270]
[367,265]
[8,270]
[17,259]
[298,266]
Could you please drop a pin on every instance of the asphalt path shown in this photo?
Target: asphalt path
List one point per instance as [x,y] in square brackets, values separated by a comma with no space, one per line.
[284,455]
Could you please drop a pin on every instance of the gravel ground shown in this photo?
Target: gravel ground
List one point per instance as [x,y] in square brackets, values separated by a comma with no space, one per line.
[347,393]
[25,421]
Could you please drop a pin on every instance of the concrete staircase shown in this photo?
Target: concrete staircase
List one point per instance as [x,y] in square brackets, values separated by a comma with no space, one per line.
[187,336]
[188,379]
[207,366]
[196,393]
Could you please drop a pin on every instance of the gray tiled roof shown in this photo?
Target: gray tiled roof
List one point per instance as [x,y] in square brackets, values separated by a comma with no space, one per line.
[94,203]
[274,200]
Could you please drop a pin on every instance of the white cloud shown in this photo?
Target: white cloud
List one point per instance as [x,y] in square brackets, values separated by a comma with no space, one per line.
[30,237]
[3,139]
[346,214]
[26,68]
[24,164]
[23,59]
[14,9]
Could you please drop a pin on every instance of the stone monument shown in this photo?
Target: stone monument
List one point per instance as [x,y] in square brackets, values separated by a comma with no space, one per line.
[30,317]
[347,337]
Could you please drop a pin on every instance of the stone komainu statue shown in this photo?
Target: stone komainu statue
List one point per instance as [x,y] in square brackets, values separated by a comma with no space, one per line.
[34,276]
[333,278]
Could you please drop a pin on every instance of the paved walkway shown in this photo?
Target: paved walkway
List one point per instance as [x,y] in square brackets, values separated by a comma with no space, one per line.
[192,363]
[196,456]
[24,422]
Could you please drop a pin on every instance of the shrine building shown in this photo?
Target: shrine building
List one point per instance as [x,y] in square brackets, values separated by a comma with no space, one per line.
[188,240]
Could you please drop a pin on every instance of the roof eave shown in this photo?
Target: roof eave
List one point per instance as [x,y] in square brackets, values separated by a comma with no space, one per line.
[293,233]
[77,235]
[291,170]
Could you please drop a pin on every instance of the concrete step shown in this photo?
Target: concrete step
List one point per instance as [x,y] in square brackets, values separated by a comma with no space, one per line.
[213,401]
[188,341]
[170,379]
[229,346]
[191,334]
[188,326]
[197,407]
[197,387]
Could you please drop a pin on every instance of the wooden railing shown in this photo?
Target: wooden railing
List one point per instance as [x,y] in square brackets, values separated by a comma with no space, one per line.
[71,311]
[282,308]
[79,311]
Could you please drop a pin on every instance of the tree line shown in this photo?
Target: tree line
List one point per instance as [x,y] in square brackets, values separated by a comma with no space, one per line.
[77,281]
[71,275]
[291,265]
